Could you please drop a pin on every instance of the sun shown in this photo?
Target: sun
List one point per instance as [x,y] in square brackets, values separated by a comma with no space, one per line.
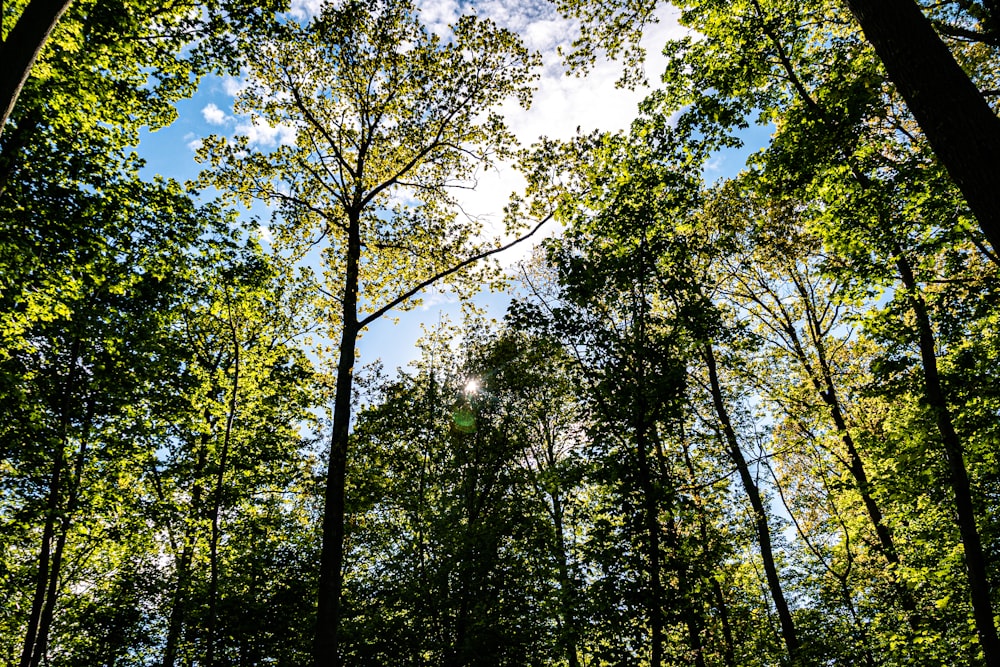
[472,386]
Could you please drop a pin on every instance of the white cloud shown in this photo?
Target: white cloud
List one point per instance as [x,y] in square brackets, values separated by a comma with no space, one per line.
[436,296]
[213,115]
[303,10]
[233,86]
[192,141]
[262,134]
[561,103]
[439,14]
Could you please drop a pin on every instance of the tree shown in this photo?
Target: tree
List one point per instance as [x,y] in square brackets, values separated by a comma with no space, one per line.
[444,477]
[629,308]
[21,46]
[950,109]
[234,453]
[69,375]
[392,122]
[207,33]
[952,112]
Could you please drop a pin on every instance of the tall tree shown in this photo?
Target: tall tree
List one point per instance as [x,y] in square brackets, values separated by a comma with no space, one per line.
[394,119]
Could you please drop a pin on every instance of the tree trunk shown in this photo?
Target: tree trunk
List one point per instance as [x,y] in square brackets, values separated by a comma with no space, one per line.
[23,44]
[44,558]
[52,589]
[652,524]
[728,646]
[326,649]
[48,559]
[822,381]
[788,633]
[569,636]
[975,558]
[962,129]
[220,477]
[177,612]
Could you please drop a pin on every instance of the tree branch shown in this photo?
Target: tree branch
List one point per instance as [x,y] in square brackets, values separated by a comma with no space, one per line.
[443,274]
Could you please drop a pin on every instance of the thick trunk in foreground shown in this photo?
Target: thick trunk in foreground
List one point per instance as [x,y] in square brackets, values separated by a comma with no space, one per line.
[788,633]
[22,46]
[960,126]
[958,476]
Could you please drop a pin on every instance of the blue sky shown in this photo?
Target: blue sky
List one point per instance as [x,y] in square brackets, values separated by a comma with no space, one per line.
[561,104]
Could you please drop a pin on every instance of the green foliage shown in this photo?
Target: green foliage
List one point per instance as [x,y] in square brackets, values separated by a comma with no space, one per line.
[709,405]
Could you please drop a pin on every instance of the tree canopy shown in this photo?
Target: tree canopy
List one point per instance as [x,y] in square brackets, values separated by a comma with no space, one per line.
[741,421]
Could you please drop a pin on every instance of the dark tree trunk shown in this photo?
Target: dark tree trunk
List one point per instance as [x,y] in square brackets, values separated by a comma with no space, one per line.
[975,558]
[962,129]
[220,478]
[44,558]
[326,649]
[821,379]
[788,633]
[570,635]
[652,525]
[50,552]
[23,44]
[728,646]
[690,604]
[178,610]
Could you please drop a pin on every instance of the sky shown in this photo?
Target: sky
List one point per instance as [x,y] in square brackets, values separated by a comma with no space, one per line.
[561,104]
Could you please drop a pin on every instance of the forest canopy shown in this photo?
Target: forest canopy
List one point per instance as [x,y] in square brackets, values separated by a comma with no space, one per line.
[750,420]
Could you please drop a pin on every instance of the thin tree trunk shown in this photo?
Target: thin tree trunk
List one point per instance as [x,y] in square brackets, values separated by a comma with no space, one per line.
[220,476]
[975,558]
[693,619]
[728,646]
[788,633]
[567,592]
[641,425]
[326,649]
[22,46]
[177,612]
[822,382]
[955,117]
[52,592]
[44,557]
[652,524]
[569,633]
[176,619]
[33,633]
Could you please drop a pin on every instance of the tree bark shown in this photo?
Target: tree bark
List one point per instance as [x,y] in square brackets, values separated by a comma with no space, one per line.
[788,633]
[975,558]
[326,649]
[220,478]
[959,125]
[23,44]
[50,552]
